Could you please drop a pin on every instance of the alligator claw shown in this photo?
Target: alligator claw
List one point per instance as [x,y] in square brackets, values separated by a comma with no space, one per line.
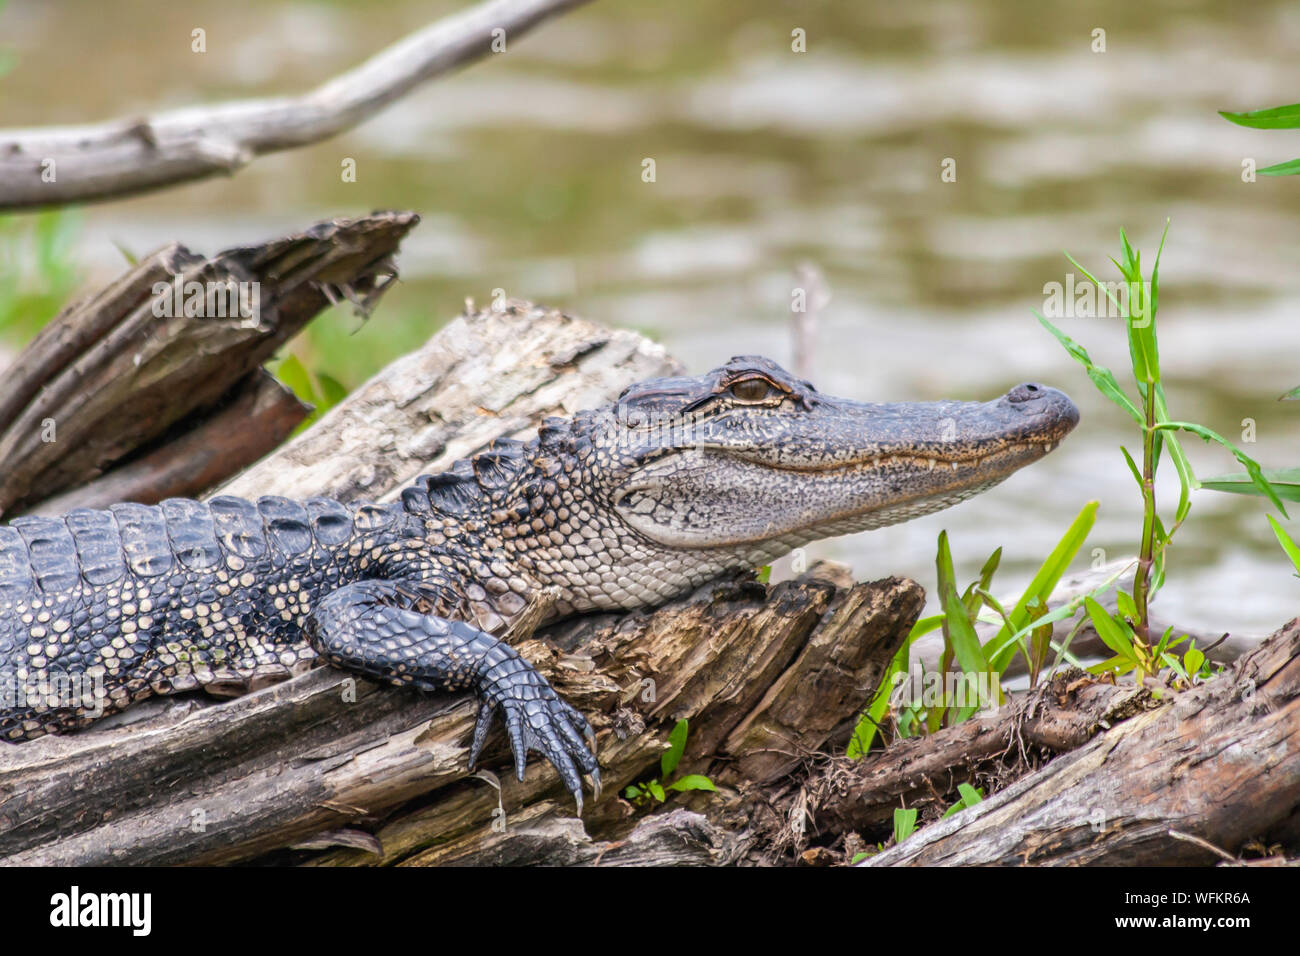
[536,718]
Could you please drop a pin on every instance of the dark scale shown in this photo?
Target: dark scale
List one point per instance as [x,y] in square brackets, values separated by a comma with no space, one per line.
[678,482]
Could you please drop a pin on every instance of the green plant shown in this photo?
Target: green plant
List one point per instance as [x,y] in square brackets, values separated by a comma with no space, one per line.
[1028,627]
[317,389]
[38,271]
[969,796]
[1289,546]
[1025,629]
[1128,633]
[641,793]
[1279,117]
[904,824]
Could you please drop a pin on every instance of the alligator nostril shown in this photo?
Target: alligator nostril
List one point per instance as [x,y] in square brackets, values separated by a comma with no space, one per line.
[1025,393]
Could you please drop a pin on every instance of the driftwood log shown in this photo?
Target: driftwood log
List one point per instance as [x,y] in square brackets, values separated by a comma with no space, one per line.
[114,402]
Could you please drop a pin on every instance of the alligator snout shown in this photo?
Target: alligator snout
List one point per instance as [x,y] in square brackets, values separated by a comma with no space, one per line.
[1049,403]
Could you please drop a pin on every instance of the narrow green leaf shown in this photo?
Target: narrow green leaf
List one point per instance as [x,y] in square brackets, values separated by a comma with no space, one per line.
[1112,633]
[294,375]
[1155,270]
[1289,168]
[332,391]
[1117,665]
[1186,479]
[1291,396]
[1284,539]
[1040,643]
[869,723]
[958,630]
[1000,649]
[1132,466]
[1069,608]
[130,257]
[1126,606]
[1285,481]
[1119,307]
[671,757]
[1102,377]
[904,824]
[969,796]
[1252,466]
[1278,117]
[1170,661]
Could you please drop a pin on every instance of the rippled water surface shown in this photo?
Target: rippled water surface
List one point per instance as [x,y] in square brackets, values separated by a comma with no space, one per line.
[527,169]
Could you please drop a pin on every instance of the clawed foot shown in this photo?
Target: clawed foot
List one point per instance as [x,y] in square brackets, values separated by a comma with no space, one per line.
[538,719]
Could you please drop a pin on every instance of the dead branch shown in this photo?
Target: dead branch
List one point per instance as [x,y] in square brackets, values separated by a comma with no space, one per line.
[137,154]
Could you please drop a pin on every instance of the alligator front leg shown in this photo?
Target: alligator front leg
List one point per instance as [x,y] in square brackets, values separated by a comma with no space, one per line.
[377,628]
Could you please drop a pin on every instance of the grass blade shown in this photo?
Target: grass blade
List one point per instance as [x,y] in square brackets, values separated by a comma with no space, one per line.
[1285,481]
[1252,466]
[1290,168]
[1278,117]
[1042,585]
[1284,539]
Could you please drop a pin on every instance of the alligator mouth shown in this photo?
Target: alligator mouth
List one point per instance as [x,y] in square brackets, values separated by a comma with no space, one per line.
[1021,452]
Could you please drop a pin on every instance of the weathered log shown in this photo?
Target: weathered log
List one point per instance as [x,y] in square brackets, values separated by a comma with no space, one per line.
[109,378]
[488,373]
[136,154]
[255,418]
[1218,763]
[541,835]
[723,659]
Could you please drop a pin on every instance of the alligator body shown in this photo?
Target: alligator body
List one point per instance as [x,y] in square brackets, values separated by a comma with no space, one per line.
[679,481]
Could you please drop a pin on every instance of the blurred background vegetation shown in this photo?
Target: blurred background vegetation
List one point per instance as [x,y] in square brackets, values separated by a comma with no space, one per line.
[527,170]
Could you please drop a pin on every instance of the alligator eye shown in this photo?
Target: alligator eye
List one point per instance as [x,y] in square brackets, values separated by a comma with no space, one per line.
[751,390]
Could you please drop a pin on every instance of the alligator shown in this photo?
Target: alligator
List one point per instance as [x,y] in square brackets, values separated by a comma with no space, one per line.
[678,482]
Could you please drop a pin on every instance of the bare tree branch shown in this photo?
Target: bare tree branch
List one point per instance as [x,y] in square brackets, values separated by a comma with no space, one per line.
[137,154]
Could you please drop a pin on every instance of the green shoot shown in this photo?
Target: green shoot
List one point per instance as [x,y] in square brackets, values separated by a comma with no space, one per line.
[642,793]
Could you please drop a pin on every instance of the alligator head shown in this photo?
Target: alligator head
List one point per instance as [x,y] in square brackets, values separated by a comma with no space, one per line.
[751,460]
[683,479]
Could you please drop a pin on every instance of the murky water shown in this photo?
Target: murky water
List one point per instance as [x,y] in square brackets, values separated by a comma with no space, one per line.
[528,170]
